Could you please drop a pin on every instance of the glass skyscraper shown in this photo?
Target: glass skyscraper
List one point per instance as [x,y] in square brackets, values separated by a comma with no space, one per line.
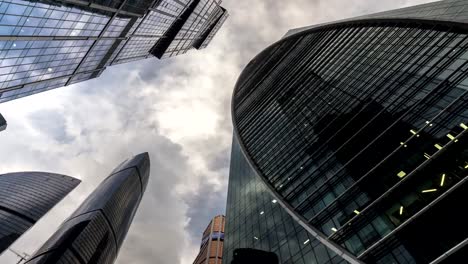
[27,196]
[3,123]
[350,141]
[48,44]
[95,232]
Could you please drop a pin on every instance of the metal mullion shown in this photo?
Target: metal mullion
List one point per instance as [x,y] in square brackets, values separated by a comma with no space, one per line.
[361,152]
[343,90]
[354,189]
[330,210]
[271,96]
[340,49]
[343,73]
[455,57]
[356,84]
[247,132]
[418,214]
[337,51]
[369,206]
[374,212]
[289,142]
[186,33]
[55,78]
[285,117]
[370,93]
[325,37]
[300,73]
[362,33]
[75,72]
[383,90]
[456,249]
[251,76]
[240,113]
[45,38]
[302,183]
[248,113]
[279,113]
[136,29]
[283,204]
[100,7]
[445,120]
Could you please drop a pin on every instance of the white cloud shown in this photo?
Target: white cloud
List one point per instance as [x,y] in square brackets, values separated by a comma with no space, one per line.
[177,109]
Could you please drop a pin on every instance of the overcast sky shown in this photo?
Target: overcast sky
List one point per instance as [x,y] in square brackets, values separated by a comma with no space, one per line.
[176,109]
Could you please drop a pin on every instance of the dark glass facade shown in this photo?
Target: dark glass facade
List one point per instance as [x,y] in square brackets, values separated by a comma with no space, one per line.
[27,196]
[255,219]
[359,130]
[95,232]
[196,23]
[49,44]
[3,123]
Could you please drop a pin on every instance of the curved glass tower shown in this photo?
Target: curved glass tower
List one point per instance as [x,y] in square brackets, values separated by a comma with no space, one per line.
[95,232]
[27,196]
[358,129]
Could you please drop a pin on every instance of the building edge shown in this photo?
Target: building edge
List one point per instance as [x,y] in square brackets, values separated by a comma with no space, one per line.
[438,25]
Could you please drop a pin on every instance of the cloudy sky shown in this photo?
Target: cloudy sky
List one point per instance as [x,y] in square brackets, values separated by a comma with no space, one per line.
[177,109]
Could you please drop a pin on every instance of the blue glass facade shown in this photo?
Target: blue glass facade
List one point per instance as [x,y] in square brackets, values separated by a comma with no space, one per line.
[359,130]
[50,44]
[95,232]
[255,219]
[27,196]
[196,22]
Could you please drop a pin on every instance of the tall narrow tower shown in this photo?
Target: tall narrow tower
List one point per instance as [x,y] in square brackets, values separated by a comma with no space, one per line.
[95,232]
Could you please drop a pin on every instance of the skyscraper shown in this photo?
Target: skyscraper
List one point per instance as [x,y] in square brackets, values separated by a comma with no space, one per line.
[95,232]
[48,44]
[358,131]
[211,247]
[3,123]
[27,196]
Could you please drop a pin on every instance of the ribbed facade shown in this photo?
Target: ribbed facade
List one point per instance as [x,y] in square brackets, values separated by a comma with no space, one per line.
[27,196]
[95,232]
[211,248]
[255,219]
[48,44]
[359,130]
[194,25]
